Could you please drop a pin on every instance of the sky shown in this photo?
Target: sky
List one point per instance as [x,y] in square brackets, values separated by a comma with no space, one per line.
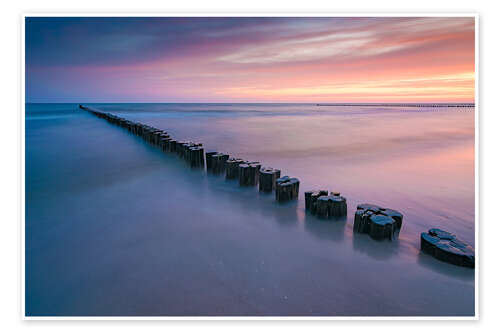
[249,59]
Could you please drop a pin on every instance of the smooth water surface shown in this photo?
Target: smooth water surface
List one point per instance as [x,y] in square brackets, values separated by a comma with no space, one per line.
[116,227]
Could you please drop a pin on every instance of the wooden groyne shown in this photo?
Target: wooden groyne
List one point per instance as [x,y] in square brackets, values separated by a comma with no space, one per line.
[407,105]
[378,222]
[248,173]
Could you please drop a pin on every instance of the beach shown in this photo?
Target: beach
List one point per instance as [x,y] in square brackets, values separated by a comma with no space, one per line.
[115,226]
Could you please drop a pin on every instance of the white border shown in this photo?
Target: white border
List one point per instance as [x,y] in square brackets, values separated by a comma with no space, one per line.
[246,14]
[22,162]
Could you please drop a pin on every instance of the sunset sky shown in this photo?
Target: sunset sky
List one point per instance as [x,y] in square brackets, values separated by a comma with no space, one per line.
[221,59]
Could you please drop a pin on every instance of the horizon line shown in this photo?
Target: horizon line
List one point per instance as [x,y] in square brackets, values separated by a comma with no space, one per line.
[316,103]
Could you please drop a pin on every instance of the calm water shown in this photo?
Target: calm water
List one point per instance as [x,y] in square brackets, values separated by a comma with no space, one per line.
[116,227]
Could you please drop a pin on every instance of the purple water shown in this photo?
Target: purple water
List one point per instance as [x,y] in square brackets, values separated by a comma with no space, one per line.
[116,227]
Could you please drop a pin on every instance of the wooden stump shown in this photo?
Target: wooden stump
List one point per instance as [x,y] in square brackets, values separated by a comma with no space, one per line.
[184,153]
[156,137]
[209,155]
[287,189]
[328,206]
[219,163]
[378,222]
[311,197]
[138,129]
[249,173]
[147,133]
[129,126]
[322,206]
[151,134]
[232,167]
[144,132]
[267,179]
[338,205]
[172,145]
[382,226]
[196,159]
[447,247]
[162,137]
[201,157]
[164,144]
[397,216]
[179,147]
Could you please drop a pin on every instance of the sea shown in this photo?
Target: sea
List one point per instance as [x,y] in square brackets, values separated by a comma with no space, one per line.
[116,227]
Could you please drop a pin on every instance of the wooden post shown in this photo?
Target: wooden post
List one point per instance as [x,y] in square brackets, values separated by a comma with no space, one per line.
[447,247]
[325,206]
[162,137]
[378,222]
[381,226]
[185,150]
[219,163]
[287,189]
[322,206]
[311,197]
[179,147]
[196,157]
[249,173]
[232,167]
[164,144]
[172,146]
[338,205]
[209,155]
[267,179]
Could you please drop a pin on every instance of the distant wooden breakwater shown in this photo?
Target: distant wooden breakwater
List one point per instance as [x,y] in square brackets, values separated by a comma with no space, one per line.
[411,105]
[378,222]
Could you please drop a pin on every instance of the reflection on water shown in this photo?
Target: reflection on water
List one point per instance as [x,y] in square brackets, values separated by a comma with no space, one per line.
[116,227]
[327,229]
[444,268]
[377,249]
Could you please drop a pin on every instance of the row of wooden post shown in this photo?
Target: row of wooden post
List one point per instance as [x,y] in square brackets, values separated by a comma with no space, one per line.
[248,173]
[378,222]
[252,174]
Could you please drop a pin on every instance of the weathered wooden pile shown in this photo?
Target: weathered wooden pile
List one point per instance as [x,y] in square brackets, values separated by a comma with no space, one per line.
[268,178]
[380,223]
[249,173]
[233,167]
[287,188]
[322,205]
[447,247]
[217,162]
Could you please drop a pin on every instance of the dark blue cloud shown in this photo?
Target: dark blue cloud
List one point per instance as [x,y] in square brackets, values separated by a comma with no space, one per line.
[74,41]
[60,41]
